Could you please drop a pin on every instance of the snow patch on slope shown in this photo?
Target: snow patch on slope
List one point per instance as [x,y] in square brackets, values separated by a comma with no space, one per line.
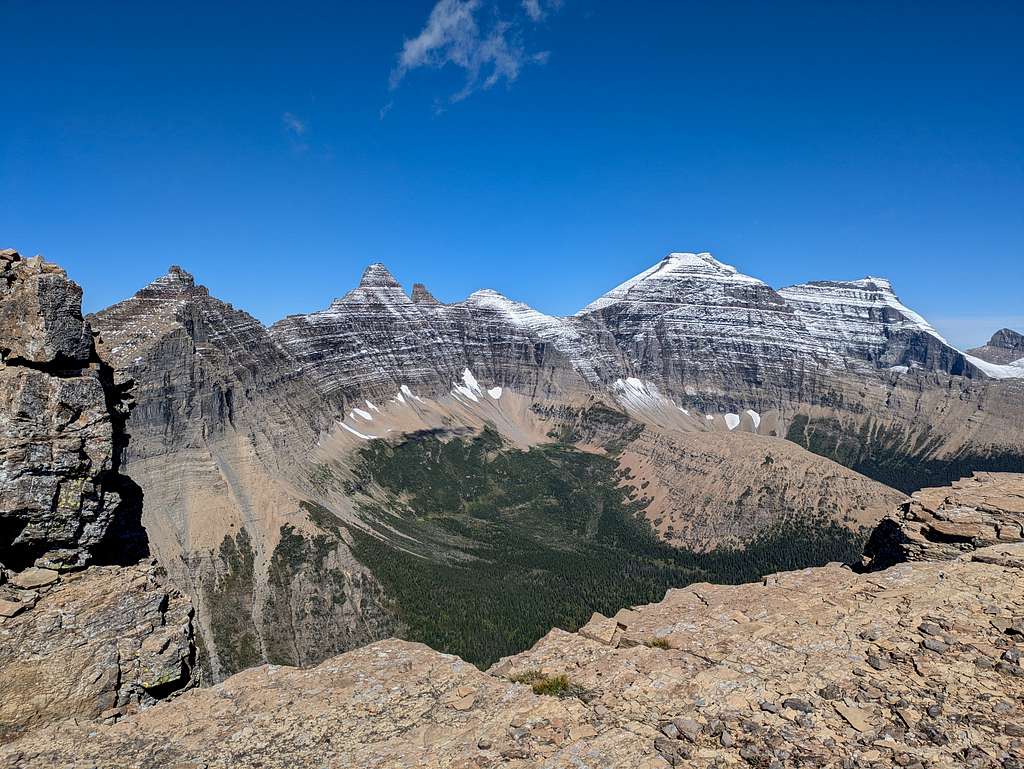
[755,418]
[1013,370]
[635,393]
[469,388]
[358,434]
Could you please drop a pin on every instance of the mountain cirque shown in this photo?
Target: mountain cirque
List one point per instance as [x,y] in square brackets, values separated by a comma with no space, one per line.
[698,374]
[914,666]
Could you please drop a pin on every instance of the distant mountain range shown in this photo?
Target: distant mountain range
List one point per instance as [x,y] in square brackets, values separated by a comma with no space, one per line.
[341,475]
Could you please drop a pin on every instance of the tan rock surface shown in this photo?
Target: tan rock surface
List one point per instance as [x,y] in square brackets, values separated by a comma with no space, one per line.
[942,523]
[915,666]
[98,643]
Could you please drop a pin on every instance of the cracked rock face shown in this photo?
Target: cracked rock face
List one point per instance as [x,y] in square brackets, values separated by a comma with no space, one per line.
[943,523]
[914,666]
[95,644]
[92,644]
[59,415]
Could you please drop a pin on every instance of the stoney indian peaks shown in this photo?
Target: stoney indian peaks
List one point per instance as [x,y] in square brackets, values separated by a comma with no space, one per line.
[688,324]
[243,435]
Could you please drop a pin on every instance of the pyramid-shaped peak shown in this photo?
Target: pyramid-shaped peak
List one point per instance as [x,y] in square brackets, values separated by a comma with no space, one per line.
[1008,339]
[378,276]
[700,261]
[679,267]
[174,281]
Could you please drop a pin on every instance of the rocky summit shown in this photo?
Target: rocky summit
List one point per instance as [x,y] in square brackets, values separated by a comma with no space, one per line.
[917,665]
[1005,347]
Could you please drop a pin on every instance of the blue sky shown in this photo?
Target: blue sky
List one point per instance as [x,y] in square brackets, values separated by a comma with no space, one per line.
[548,150]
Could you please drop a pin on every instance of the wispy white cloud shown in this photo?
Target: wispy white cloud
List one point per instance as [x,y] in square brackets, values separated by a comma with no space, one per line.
[533,9]
[293,125]
[488,53]
[295,129]
[538,9]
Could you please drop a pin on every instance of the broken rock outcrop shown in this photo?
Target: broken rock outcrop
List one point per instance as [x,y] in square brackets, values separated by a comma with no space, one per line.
[59,483]
[94,644]
[75,642]
[942,523]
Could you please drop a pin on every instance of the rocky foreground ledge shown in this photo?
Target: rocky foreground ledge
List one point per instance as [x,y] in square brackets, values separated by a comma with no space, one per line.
[914,666]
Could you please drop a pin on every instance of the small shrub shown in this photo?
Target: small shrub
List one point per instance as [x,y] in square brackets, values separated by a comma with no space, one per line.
[554,686]
[527,677]
[658,643]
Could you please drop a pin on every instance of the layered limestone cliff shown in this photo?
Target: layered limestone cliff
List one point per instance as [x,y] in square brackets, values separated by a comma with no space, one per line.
[248,441]
[376,338]
[222,428]
[914,666]
[87,644]
[825,364]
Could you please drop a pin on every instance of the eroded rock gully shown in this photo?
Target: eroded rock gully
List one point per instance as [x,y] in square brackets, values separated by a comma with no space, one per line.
[917,666]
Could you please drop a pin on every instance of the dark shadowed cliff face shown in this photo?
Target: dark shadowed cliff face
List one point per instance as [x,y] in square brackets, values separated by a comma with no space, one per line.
[75,642]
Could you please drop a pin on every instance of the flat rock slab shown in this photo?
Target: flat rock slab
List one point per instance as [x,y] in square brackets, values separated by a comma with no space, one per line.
[752,674]
[33,578]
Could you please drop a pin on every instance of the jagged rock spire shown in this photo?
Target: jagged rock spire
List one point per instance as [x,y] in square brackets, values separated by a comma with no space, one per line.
[175,282]
[420,295]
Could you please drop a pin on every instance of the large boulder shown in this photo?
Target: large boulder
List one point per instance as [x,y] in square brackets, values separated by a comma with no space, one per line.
[94,644]
[60,423]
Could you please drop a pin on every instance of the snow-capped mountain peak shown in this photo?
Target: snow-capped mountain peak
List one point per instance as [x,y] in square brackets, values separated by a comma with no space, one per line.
[660,279]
